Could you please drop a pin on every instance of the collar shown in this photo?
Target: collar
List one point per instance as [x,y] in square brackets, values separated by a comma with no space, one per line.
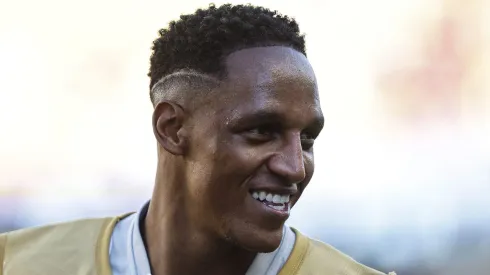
[264,263]
[138,257]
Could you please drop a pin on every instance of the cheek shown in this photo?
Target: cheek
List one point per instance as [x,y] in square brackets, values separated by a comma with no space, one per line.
[309,170]
[235,163]
[229,168]
[309,165]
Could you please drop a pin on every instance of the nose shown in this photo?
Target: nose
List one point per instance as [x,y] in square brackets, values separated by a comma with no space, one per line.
[288,161]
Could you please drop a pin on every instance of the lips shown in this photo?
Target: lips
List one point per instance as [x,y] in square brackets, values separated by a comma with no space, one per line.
[275,201]
[271,202]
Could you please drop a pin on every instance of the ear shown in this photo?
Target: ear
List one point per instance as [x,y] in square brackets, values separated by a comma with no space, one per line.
[168,120]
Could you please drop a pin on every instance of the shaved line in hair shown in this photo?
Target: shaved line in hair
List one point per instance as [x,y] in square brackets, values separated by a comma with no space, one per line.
[182,87]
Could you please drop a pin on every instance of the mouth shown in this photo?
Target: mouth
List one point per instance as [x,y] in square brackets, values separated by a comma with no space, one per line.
[276,202]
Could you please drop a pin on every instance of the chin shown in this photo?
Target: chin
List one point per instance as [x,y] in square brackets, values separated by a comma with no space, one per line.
[259,241]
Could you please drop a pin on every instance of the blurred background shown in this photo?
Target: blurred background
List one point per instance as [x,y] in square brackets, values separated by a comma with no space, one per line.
[403,165]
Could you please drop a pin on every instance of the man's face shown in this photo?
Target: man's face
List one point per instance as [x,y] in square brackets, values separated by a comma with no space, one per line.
[250,148]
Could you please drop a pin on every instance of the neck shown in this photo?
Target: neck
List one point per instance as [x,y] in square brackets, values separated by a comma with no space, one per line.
[176,245]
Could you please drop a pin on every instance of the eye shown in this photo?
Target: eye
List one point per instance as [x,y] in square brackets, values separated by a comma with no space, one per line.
[307,141]
[261,133]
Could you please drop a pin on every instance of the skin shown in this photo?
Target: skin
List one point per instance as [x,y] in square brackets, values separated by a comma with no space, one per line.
[254,130]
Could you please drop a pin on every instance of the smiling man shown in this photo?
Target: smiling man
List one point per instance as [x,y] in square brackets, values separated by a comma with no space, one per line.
[236,114]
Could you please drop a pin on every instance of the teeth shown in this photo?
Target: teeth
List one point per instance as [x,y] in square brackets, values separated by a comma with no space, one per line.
[274,198]
[262,195]
[269,197]
[280,207]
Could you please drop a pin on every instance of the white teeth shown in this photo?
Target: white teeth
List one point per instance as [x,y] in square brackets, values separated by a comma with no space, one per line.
[262,196]
[280,207]
[284,198]
[274,198]
[277,202]
[269,197]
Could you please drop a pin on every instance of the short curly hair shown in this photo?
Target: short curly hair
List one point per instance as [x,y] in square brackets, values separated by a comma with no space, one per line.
[200,41]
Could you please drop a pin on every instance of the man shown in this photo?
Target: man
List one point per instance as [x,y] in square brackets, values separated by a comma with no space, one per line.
[236,115]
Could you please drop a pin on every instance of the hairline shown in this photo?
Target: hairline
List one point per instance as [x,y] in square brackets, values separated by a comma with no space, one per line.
[186,73]
[188,76]
[218,77]
[212,79]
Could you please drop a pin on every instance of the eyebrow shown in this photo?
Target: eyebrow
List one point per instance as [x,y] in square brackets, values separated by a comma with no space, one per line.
[268,116]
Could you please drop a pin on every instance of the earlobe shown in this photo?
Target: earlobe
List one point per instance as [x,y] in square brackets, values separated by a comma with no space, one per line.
[168,119]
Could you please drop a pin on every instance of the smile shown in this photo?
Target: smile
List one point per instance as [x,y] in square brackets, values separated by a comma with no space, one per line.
[274,201]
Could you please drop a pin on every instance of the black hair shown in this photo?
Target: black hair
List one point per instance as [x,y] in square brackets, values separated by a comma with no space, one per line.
[201,40]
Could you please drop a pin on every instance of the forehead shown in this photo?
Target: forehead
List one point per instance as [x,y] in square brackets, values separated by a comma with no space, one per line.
[275,78]
[268,65]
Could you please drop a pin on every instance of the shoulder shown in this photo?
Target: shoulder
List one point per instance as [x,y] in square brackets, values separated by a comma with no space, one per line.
[327,254]
[54,234]
[66,247]
[3,239]
[322,258]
